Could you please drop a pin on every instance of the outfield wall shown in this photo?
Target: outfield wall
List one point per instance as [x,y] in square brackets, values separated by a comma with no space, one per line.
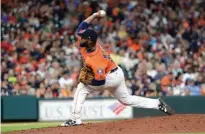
[30,108]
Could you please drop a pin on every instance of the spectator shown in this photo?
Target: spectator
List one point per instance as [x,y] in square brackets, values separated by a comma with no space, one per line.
[178,85]
[55,89]
[192,89]
[54,72]
[38,81]
[148,39]
[48,93]
[66,83]
[4,89]
[42,70]
[203,89]
[11,77]
[30,90]
[152,90]
[166,84]
[40,92]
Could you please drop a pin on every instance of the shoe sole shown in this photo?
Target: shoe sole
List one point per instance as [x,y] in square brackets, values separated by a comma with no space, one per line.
[64,125]
[170,111]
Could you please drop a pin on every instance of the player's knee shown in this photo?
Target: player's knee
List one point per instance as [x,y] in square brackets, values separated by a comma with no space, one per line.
[125,99]
[80,85]
[125,102]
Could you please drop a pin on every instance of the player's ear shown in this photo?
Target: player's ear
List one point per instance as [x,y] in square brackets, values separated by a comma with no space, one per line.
[90,43]
[93,43]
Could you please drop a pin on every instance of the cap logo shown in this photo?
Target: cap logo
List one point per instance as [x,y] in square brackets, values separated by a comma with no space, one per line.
[100,71]
[82,31]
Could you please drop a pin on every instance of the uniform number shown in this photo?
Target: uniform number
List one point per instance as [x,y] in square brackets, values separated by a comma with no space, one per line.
[108,57]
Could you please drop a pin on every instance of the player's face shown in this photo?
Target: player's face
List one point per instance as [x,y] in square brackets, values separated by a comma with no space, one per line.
[84,42]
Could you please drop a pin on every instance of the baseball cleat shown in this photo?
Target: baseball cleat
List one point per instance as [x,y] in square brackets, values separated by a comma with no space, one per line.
[69,123]
[164,107]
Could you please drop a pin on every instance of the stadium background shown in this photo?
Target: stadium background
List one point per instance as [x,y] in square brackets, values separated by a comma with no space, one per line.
[160,44]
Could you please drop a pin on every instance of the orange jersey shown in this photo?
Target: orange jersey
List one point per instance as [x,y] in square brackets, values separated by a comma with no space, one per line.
[99,60]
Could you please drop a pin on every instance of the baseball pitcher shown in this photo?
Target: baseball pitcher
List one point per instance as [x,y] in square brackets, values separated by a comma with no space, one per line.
[101,73]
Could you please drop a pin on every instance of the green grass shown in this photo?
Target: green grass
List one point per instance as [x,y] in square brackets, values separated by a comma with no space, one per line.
[6,127]
[23,126]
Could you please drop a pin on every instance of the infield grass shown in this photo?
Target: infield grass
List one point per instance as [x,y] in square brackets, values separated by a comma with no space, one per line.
[6,127]
[23,126]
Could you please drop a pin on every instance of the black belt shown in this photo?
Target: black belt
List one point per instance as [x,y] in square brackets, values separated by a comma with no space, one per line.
[113,70]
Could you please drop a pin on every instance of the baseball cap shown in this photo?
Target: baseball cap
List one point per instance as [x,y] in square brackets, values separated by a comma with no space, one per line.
[88,34]
[66,72]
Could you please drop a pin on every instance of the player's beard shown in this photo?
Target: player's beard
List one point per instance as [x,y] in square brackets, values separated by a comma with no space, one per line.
[84,44]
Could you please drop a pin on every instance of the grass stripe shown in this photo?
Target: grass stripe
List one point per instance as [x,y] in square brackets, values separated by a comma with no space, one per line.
[24,124]
[7,128]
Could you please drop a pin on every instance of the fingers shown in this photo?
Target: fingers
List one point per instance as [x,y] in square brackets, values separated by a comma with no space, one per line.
[100,13]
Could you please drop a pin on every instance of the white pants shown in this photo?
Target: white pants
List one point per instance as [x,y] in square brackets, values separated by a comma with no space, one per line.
[115,84]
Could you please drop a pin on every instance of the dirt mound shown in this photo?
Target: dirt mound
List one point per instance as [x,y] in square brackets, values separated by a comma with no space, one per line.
[162,124]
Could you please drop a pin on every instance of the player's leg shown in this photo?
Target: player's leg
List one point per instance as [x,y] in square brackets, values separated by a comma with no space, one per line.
[120,92]
[79,98]
[122,95]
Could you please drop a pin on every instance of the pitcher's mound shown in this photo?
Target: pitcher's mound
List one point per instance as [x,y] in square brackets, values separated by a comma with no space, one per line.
[163,124]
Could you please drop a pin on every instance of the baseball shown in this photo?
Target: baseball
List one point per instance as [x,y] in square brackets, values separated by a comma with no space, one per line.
[102,13]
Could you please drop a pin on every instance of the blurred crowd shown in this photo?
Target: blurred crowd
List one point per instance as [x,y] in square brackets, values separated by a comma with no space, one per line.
[160,44]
